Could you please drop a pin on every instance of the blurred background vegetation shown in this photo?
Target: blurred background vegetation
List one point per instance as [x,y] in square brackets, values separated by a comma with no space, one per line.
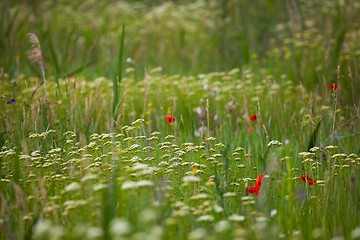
[304,40]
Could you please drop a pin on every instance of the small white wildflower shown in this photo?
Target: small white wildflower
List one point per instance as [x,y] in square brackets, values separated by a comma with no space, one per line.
[55,150]
[45,230]
[155,134]
[352,156]
[211,139]
[51,131]
[197,234]
[10,152]
[229,194]
[24,157]
[129,139]
[155,70]
[134,147]
[339,156]
[138,166]
[99,187]
[331,148]
[148,149]
[92,145]
[130,128]
[219,145]
[205,218]
[199,196]
[94,232]
[239,149]
[42,227]
[129,185]
[218,209]
[148,215]
[72,187]
[199,111]
[33,135]
[206,87]
[135,185]
[274,143]
[314,149]
[201,131]
[169,137]
[273,212]
[94,136]
[222,226]
[119,227]
[105,136]
[89,177]
[261,219]
[306,154]
[236,218]
[119,135]
[147,171]
[138,122]
[191,179]
[180,153]
[145,183]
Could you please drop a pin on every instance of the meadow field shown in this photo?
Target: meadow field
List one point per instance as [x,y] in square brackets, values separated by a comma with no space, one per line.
[180,119]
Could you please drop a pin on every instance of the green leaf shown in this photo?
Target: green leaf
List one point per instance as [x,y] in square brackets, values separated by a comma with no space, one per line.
[313,137]
[118,77]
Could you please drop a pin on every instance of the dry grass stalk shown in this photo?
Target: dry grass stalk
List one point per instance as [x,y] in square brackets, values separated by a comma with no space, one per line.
[35,56]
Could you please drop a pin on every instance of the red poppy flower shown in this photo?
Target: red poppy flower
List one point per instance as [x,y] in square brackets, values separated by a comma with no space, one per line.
[308,179]
[258,180]
[252,117]
[170,119]
[332,86]
[255,189]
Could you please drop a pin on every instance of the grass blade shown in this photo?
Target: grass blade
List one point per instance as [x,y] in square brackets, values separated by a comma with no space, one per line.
[118,77]
[312,141]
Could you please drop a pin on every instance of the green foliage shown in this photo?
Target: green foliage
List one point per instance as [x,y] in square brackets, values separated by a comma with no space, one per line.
[245,87]
[312,141]
[118,77]
[84,178]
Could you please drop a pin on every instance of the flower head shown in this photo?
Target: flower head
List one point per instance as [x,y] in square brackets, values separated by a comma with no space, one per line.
[332,86]
[259,179]
[35,53]
[170,119]
[252,118]
[307,179]
[255,189]
[230,106]
[11,101]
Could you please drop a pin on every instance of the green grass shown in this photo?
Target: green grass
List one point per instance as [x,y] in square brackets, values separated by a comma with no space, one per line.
[80,179]
[91,157]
